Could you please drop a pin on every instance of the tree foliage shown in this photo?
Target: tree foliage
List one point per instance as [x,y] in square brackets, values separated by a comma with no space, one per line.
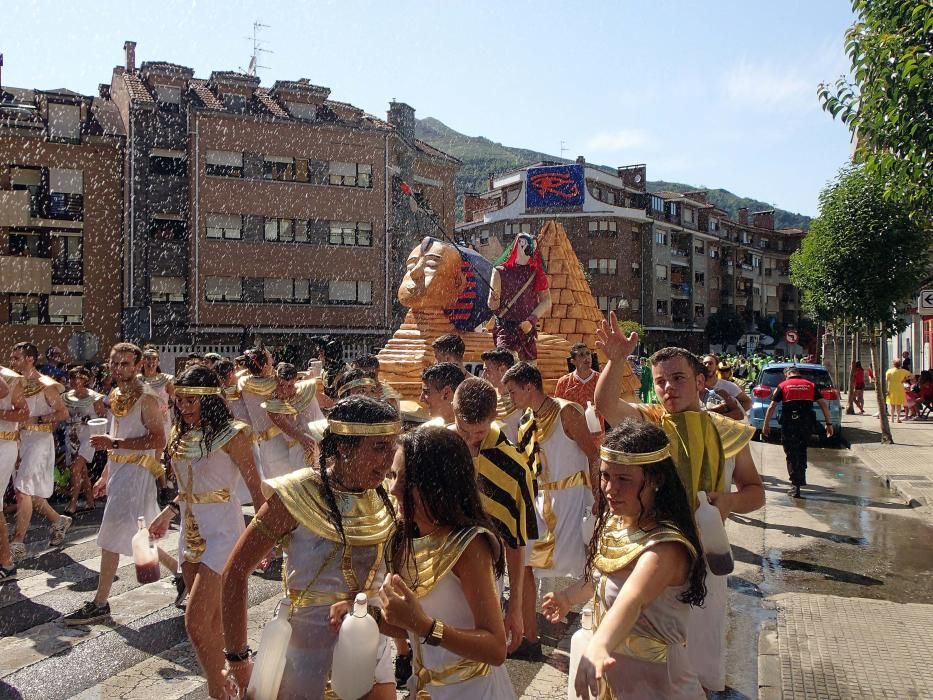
[887,100]
[628,327]
[864,254]
[724,327]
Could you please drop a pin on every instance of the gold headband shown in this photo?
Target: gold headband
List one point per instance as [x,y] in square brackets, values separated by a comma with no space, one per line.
[198,390]
[339,427]
[633,458]
[363,381]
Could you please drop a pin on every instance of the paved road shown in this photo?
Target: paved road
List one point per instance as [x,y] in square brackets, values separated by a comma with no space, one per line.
[849,537]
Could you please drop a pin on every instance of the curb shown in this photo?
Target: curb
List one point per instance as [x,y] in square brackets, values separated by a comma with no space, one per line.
[902,487]
[769,662]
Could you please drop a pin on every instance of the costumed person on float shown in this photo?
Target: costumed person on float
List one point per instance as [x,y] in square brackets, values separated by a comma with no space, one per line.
[519,296]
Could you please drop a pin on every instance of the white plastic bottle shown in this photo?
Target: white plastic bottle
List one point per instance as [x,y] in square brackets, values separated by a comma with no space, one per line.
[354,667]
[578,643]
[713,537]
[592,420]
[145,554]
[270,661]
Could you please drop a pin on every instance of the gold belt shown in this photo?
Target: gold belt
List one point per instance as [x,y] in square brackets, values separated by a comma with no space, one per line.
[267,434]
[148,462]
[458,672]
[11,436]
[304,599]
[542,551]
[38,427]
[218,496]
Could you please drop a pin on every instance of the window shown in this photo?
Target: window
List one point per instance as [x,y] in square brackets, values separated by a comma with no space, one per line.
[66,309]
[604,228]
[229,226]
[699,247]
[224,288]
[67,259]
[66,195]
[610,197]
[280,230]
[163,289]
[278,168]
[349,292]
[713,224]
[165,161]
[756,261]
[168,227]
[351,174]
[602,266]
[660,272]
[57,309]
[661,307]
[301,110]
[699,279]
[64,123]
[349,233]
[285,290]
[29,311]
[608,303]
[515,229]
[714,253]
[167,94]
[660,237]
[699,310]
[225,163]
[688,215]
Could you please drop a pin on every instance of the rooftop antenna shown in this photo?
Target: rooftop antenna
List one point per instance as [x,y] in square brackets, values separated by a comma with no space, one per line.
[563,149]
[257,48]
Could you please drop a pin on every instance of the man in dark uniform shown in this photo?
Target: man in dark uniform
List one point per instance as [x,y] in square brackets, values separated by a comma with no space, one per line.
[797,422]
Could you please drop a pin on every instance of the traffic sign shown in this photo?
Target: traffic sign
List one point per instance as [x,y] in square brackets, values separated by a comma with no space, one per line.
[792,337]
[925,302]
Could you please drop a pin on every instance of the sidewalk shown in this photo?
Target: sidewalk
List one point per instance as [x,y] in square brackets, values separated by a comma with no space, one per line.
[907,465]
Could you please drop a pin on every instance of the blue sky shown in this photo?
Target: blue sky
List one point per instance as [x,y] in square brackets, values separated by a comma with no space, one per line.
[715,94]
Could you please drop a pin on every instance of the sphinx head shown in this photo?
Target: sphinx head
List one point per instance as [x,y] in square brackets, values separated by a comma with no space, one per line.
[433,278]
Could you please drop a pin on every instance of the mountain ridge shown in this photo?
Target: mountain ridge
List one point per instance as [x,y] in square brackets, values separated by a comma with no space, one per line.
[481,157]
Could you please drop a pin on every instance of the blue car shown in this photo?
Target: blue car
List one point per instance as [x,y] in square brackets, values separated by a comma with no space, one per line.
[773,374]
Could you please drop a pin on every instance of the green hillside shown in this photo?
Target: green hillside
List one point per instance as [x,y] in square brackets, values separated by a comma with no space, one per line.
[482,157]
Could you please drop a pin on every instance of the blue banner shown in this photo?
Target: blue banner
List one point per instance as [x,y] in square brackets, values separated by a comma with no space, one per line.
[555,186]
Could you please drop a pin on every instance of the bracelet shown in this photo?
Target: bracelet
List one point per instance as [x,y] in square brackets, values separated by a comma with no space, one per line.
[236,656]
[175,507]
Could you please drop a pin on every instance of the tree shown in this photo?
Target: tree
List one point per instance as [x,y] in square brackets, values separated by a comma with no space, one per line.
[887,100]
[629,327]
[863,256]
[724,327]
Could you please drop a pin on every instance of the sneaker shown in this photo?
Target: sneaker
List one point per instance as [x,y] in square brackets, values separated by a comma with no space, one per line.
[528,651]
[59,529]
[7,573]
[18,552]
[402,671]
[181,590]
[89,613]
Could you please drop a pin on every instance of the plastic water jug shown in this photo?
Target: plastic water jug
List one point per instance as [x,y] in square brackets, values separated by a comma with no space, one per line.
[270,661]
[145,554]
[354,667]
[578,643]
[592,420]
[713,537]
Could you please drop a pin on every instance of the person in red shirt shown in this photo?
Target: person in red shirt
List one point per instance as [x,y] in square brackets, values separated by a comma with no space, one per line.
[579,386]
[858,386]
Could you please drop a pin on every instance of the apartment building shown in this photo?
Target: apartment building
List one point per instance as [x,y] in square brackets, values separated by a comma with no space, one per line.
[61,221]
[267,212]
[668,260]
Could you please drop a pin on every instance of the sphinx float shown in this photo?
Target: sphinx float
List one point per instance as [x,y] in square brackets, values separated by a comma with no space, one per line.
[447,289]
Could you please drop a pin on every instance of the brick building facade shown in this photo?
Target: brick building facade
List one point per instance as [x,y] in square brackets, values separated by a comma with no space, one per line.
[61,221]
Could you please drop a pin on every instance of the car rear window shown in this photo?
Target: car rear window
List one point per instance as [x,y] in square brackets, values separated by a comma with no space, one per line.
[773,377]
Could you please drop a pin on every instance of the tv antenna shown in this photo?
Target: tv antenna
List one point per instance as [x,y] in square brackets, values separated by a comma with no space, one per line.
[257,48]
[563,149]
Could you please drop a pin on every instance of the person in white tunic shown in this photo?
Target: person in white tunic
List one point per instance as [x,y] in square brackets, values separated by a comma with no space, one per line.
[293,405]
[254,388]
[35,479]
[564,457]
[83,404]
[336,520]
[161,383]
[210,452]
[226,370]
[129,479]
[445,558]
[13,409]
[496,363]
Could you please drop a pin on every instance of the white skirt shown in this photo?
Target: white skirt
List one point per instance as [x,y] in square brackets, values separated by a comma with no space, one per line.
[220,524]
[131,493]
[706,634]
[36,474]
[495,685]
[568,506]
[8,452]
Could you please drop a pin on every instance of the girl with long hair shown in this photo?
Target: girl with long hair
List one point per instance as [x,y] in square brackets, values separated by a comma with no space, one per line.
[445,559]
[644,570]
[335,521]
[209,451]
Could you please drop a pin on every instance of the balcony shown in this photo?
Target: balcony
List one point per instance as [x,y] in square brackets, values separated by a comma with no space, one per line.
[14,208]
[25,275]
[680,252]
[680,289]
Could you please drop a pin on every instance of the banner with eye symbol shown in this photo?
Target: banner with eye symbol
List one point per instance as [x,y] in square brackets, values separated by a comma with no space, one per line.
[558,186]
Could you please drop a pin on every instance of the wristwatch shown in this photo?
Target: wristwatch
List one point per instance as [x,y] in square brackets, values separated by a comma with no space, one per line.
[435,634]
